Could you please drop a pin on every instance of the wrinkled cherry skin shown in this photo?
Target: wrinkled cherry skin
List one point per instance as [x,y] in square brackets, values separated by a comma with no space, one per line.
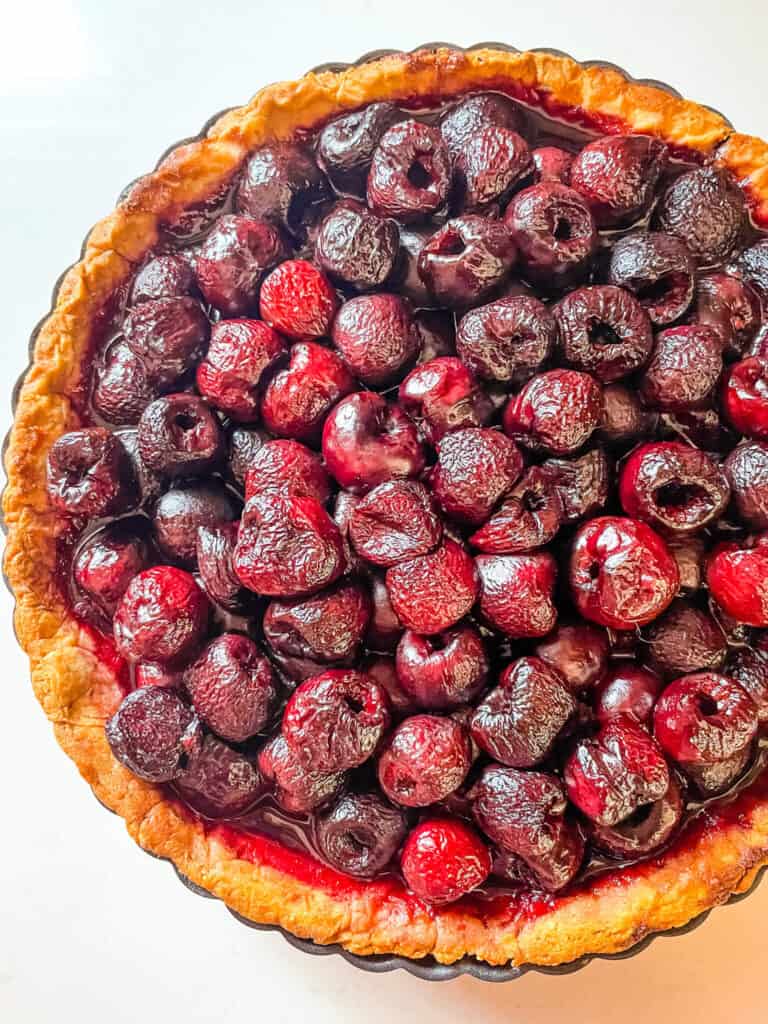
[466,259]
[442,672]
[749,668]
[443,859]
[624,420]
[430,593]
[507,340]
[298,300]
[706,209]
[162,616]
[360,834]
[382,669]
[555,233]
[525,813]
[603,331]
[219,781]
[240,355]
[610,775]
[307,634]
[621,572]
[215,549]
[395,521]
[232,261]
[684,369]
[658,270]
[516,593]
[233,687]
[550,163]
[89,473]
[281,183]
[488,166]
[366,442]
[674,486]
[356,247]
[346,145]
[737,576]
[288,467]
[410,172]
[296,788]
[182,511]
[529,517]
[425,759]
[704,718]
[685,639]
[578,653]
[122,386]
[244,443]
[377,337]
[747,470]
[442,396]
[153,733]
[288,546]
[582,483]
[627,689]
[475,469]
[179,435]
[299,397]
[169,336]
[752,264]
[467,118]
[630,840]
[335,721]
[617,175]
[104,565]
[732,307]
[520,720]
[556,411]
[745,397]
[163,277]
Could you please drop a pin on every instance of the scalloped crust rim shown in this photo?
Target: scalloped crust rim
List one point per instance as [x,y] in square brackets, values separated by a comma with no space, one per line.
[76,674]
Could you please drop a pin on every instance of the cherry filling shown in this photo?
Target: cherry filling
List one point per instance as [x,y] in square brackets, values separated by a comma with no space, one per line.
[432,525]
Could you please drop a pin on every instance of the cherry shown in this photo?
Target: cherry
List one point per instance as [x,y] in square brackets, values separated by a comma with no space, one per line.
[377,337]
[240,355]
[299,397]
[519,721]
[444,859]
[232,261]
[612,774]
[516,593]
[335,720]
[366,442]
[233,687]
[360,834]
[162,616]
[444,671]
[153,733]
[430,593]
[525,814]
[425,759]
[443,396]
[475,469]
[621,572]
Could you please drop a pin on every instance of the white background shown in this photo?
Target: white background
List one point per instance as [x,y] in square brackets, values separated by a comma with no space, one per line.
[91,93]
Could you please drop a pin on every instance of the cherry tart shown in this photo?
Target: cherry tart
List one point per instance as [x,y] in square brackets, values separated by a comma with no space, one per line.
[388,508]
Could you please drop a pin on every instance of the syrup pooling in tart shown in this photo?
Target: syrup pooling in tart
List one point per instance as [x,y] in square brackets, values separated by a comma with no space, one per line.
[422,494]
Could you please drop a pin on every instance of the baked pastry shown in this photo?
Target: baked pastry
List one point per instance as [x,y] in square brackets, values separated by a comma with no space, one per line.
[292,605]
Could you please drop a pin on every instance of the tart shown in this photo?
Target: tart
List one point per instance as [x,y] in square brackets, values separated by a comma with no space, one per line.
[387,508]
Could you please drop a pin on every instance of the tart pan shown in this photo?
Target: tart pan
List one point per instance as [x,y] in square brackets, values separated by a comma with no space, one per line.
[427,968]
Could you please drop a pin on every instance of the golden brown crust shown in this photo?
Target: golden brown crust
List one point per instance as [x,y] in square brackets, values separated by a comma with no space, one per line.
[746,157]
[73,682]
